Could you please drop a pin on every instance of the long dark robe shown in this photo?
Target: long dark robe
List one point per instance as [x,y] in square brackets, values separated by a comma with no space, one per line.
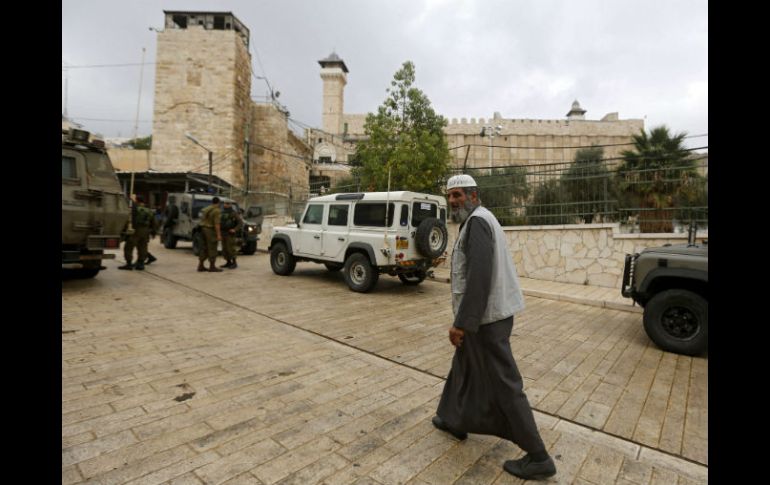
[483,392]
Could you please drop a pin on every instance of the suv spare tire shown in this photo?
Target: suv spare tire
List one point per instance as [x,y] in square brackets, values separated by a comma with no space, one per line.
[431,238]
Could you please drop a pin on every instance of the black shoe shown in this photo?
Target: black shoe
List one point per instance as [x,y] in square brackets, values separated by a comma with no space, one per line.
[139,267]
[440,424]
[233,265]
[226,265]
[150,259]
[128,266]
[530,470]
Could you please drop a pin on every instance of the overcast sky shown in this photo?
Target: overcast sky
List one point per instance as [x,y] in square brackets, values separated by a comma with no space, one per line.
[645,59]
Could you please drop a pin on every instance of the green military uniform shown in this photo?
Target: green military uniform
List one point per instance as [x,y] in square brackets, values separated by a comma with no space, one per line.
[145,225]
[210,217]
[232,225]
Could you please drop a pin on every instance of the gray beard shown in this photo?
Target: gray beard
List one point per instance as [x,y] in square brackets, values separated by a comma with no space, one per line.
[461,213]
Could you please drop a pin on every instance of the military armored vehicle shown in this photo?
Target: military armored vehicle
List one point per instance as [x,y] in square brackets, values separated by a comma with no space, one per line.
[94,208]
[671,283]
[181,221]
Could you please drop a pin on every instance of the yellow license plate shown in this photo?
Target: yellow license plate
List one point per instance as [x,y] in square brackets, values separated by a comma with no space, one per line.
[402,244]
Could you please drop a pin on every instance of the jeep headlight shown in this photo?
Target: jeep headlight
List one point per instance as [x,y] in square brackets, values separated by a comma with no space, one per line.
[250,229]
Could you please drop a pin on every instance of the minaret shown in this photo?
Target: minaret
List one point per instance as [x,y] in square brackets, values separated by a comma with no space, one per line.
[334,75]
[576,113]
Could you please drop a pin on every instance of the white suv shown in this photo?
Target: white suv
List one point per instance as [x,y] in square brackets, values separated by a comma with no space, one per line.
[349,232]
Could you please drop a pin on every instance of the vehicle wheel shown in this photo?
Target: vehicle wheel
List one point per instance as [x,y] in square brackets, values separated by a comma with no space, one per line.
[359,273]
[281,260]
[250,248]
[168,239]
[431,238]
[412,279]
[333,266]
[677,321]
[197,241]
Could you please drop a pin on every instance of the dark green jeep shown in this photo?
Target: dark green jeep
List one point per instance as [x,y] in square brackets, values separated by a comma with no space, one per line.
[671,284]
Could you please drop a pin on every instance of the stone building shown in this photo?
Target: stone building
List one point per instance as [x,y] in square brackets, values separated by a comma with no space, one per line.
[202,89]
[473,142]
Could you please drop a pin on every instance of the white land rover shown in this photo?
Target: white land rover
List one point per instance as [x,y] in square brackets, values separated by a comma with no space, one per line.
[349,232]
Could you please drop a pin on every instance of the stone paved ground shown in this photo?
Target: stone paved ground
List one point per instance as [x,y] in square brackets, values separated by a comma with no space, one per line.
[174,376]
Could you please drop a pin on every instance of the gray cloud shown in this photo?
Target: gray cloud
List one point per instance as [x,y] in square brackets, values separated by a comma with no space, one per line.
[526,59]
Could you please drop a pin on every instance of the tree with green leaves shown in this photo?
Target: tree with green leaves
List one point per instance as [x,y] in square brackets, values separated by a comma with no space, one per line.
[550,205]
[406,137]
[656,174]
[588,185]
[140,143]
[503,191]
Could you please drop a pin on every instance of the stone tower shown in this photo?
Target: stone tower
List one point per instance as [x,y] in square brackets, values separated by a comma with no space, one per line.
[334,75]
[202,87]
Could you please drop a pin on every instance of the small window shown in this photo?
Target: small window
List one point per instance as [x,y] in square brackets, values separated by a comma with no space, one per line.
[404,220]
[199,205]
[443,215]
[68,168]
[372,215]
[423,210]
[254,212]
[338,215]
[324,159]
[180,21]
[219,22]
[314,214]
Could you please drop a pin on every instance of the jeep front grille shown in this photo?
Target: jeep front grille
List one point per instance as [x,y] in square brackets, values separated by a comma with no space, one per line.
[628,275]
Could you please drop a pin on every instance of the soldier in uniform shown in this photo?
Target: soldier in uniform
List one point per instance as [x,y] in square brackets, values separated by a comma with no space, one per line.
[145,226]
[212,233]
[232,225]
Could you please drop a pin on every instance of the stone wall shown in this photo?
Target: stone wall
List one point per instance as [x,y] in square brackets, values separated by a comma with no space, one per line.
[129,160]
[202,86]
[536,141]
[591,254]
[279,160]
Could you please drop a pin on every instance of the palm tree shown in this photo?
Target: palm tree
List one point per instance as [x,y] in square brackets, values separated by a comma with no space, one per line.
[653,175]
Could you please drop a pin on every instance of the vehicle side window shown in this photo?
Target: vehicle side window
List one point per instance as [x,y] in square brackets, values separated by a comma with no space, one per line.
[314,214]
[372,215]
[338,215]
[68,168]
[254,212]
[185,208]
[404,221]
[443,215]
[423,210]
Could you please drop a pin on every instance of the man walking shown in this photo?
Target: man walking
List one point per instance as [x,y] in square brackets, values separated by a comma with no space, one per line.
[232,225]
[484,390]
[144,225]
[211,233]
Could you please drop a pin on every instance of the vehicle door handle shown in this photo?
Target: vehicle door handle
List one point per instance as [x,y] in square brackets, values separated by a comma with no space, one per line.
[340,239]
[316,237]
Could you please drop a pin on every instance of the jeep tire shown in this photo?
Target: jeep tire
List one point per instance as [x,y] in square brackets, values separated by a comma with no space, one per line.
[677,321]
[359,273]
[281,260]
[197,241]
[413,279]
[168,239]
[249,248]
[431,238]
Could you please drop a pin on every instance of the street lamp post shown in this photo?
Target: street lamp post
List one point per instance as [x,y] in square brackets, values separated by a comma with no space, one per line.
[211,158]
